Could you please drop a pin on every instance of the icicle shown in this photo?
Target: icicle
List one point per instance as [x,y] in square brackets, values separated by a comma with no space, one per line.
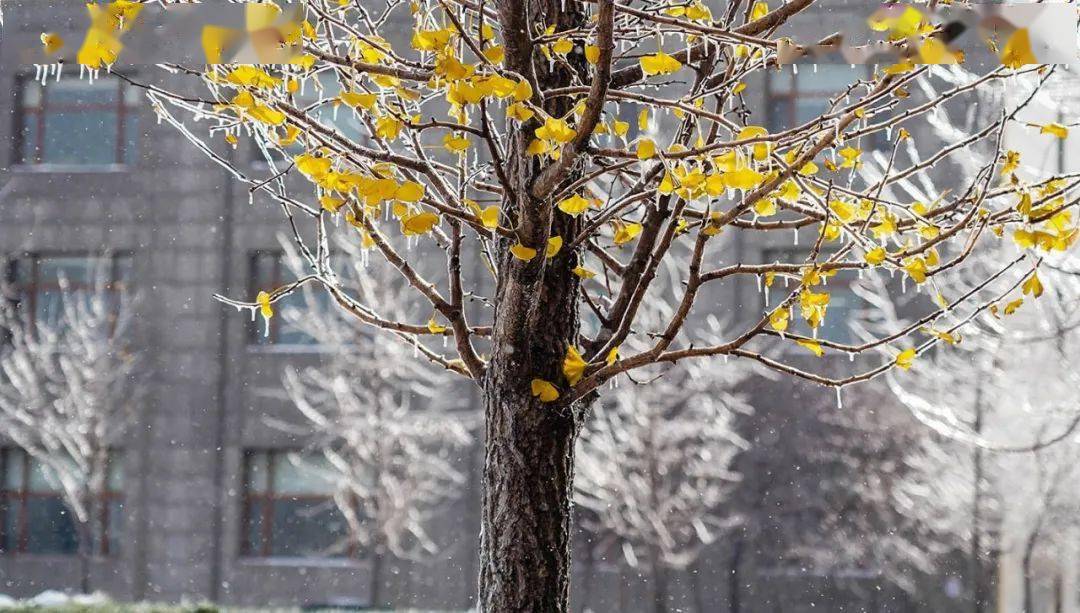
[851,356]
[766,296]
[726,358]
[903,284]
[757,279]
[839,398]
[266,325]
[815,68]
[37,72]
[795,69]
[796,237]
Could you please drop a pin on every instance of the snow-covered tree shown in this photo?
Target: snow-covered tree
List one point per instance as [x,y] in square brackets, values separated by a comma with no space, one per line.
[69,386]
[386,424]
[653,466]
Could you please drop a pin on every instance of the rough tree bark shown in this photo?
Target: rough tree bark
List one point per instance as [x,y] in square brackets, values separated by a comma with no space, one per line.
[529,446]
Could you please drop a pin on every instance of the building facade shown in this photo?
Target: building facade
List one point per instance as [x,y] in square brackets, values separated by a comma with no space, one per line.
[204,502]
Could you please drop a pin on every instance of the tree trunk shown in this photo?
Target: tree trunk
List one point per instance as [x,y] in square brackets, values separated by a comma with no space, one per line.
[1029,553]
[659,581]
[86,544]
[377,559]
[528,476]
[978,586]
[529,445]
[700,604]
[734,594]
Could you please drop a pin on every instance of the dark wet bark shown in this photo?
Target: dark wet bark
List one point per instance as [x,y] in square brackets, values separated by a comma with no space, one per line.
[529,445]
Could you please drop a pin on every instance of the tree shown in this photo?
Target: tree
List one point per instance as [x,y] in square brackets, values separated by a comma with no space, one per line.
[1007,436]
[653,466]
[381,419]
[68,391]
[495,138]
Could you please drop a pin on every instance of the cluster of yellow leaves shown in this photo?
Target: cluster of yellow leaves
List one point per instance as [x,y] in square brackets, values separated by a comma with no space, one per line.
[1050,226]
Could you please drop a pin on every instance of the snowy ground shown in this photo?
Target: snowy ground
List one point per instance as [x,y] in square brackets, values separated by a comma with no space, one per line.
[59,602]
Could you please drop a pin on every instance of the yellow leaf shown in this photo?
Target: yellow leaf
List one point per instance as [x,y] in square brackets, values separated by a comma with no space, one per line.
[522,252]
[612,355]
[760,10]
[1033,286]
[490,217]
[592,54]
[556,130]
[1017,50]
[851,157]
[1056,129]
[554,244]
[252,76]
[625,232]
[434,327]
[906,358]
[643,119]
[875,256]
[916,269]
[519,111]
[522,91]
[574,205]
[495,54]
[743,178]
[646,149]
[563,46]
[659,63]
[265,308]
[388,127]
[573,365]
[765,207]
[420,223]
[811,345]
[455,143]
[331,204]
[358,100]
[291,132]
[1012,162]
[538,147]
[543,390]
[584,273]
[1012,307]
[52,42]
[409,191]
[778,319]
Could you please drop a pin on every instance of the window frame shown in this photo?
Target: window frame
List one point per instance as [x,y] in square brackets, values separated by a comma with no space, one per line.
[102,499]
[256,338]
[40,112]
[792,95]
[791,254]
[266,511]
[25,294]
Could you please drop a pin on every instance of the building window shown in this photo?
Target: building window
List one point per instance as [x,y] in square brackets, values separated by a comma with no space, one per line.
[794,98]
[38,279]
[34,517]
[289,507]
[845,306]
[270,271]
[76,122]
